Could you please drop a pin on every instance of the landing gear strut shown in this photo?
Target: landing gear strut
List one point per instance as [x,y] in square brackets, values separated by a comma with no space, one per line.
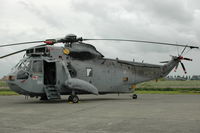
[134,96]
[73,98]
[44,98]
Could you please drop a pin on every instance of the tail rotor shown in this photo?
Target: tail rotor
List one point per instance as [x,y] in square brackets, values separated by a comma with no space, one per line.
[179,58]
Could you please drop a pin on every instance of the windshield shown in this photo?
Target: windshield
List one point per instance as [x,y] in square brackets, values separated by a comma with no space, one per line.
[24,65]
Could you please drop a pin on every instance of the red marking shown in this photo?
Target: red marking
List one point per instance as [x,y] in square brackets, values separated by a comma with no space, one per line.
[49,42]
[175,68]
[23,81]
[34,77]
[180,57]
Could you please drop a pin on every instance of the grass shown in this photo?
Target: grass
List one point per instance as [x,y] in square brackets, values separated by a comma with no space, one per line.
[170,84]
[8,92]
[151,87]
[4,90]
[169,87]
[3,84]
[167,92]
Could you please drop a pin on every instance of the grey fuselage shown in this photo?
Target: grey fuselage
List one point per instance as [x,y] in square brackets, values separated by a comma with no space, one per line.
[82,68]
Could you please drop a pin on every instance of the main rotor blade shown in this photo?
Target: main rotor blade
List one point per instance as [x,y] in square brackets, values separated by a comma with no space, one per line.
[143,41]
[183,51]
[19,51]
[6,45]
[13,53]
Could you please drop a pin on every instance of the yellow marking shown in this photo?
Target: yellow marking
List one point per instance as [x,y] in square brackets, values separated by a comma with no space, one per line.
[133,86]
[125,79]
[66,51]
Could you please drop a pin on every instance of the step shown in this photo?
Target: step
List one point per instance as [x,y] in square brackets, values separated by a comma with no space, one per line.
[52,92]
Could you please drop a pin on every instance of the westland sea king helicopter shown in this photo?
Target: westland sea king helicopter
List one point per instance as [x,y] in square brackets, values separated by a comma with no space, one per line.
[49,71]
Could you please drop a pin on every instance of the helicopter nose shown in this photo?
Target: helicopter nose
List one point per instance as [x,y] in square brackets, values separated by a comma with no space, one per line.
[15,87]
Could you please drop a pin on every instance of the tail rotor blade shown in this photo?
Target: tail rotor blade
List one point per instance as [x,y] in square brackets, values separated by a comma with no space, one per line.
[176,67]
[187,59]
[183,68]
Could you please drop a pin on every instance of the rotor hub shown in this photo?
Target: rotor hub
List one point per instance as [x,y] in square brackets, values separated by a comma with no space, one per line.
[70,38]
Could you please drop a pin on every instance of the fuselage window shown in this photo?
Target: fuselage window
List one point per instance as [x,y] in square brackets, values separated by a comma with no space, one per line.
[37,67]
[89,72]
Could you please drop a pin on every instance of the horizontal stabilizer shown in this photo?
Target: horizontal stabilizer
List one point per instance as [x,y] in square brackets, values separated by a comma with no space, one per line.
[164,62]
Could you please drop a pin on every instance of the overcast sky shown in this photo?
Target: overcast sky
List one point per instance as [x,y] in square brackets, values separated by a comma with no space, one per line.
[174,21]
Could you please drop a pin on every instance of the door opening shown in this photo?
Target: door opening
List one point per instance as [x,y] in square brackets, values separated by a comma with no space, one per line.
[49,73]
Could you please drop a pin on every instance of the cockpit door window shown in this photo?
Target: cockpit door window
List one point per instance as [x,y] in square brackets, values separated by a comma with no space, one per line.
[37,66]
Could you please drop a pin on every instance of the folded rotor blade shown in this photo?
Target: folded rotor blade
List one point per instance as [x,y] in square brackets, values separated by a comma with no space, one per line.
[13,53]
[6,45]
[143,41]
[183,67]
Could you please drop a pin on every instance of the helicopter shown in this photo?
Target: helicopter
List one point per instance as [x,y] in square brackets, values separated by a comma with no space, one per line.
[49,71]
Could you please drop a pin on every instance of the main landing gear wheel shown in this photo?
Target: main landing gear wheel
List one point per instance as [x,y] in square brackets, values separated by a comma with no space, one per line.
[134,96]
[73,99]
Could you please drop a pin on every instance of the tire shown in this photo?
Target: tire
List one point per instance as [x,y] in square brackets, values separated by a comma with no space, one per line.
[75,99]
[134,96]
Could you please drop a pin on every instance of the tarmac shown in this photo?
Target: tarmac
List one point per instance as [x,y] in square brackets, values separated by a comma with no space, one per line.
[150,113]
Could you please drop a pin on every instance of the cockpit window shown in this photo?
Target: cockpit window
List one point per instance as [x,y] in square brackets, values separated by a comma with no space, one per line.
[40,50]
[29,51]
[25,65]
[37,67]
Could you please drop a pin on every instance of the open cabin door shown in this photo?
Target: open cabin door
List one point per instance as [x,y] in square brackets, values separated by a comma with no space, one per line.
[49,73]
[50,80]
